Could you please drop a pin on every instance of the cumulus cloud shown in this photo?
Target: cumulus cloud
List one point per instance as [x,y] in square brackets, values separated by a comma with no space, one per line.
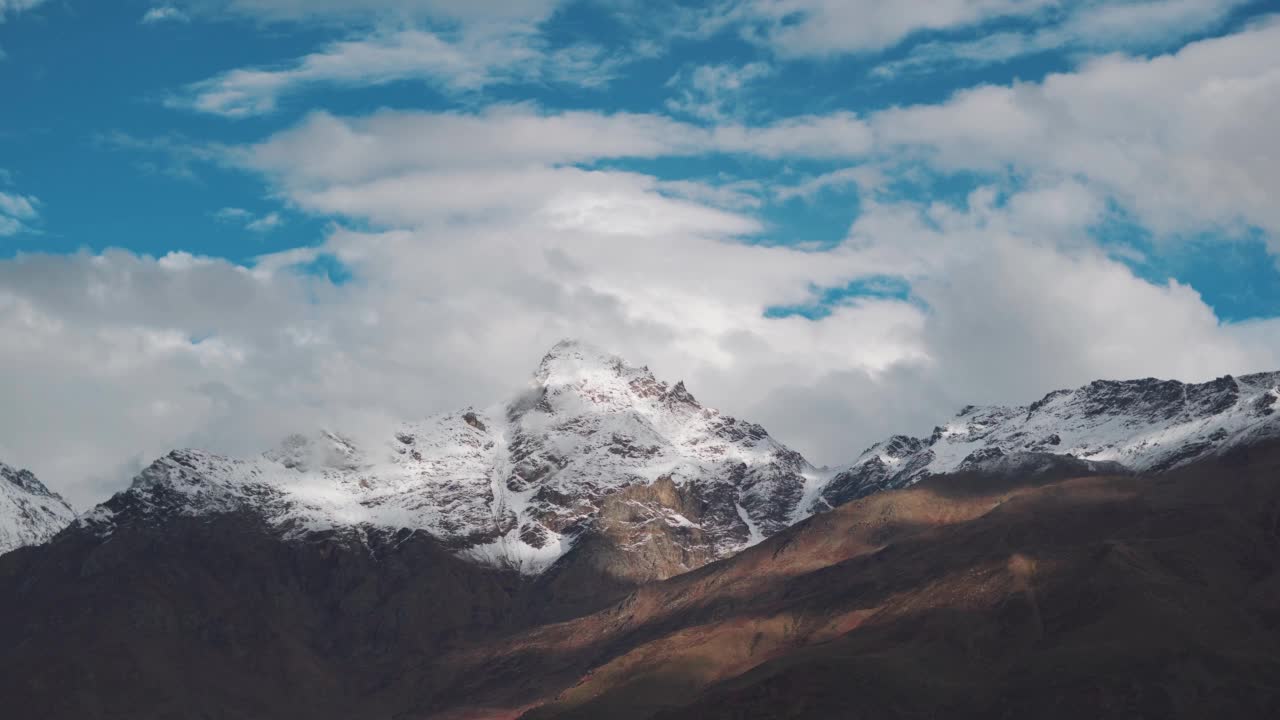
[399,169]
[1014,304]
[194,351]
[1181,139]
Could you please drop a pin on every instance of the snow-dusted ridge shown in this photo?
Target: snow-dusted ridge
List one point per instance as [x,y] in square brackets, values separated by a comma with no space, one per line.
[1141,425]
[30,513]
[514,485]
[599,448]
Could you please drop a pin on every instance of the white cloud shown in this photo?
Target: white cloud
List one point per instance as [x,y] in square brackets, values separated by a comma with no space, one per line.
[266,223]
[463,11]
[733,195]
[457,46]
[1017,306]
[817,28]
[1088,27]
[864,177]
[835,135]
[163,14]
[467,59]
[253,223]
[928,57]
[16,211]
[1180,139]
[1123,24]
[13,7]
[18,206]
[397,169]
[233,214]
[326,150]
[714,92]
[407,54]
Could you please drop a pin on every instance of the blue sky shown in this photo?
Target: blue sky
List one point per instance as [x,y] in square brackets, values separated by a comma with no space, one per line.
[213,206]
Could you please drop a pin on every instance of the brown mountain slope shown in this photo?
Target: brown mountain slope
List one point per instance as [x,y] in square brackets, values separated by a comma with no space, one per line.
[965,597]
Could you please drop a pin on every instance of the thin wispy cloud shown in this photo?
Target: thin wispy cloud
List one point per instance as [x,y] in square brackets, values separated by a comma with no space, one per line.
[164,14]
[249,221]
[13,7]
[714,92]
[460,64]
[17,212]
[1087,27]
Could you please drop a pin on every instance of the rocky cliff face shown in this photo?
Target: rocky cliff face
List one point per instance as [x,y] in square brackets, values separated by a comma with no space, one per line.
[29,512]
[596,454]
[1136,425]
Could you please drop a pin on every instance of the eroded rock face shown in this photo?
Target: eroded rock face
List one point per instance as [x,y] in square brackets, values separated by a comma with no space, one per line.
[1141,425]
[595,450]
[29,512]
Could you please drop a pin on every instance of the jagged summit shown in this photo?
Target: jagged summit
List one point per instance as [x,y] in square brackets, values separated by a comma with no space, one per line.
[571,360]
[30,513]
[597,453]
[1139,425]
[582,375]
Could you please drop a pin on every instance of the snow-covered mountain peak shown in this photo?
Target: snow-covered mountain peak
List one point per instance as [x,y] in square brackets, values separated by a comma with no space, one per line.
[23,480]
[571,362]
[1141,425]
[517,485]
[30,513]
[575,377]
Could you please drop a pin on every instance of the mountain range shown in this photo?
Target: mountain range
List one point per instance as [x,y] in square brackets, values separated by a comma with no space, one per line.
[605,545]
